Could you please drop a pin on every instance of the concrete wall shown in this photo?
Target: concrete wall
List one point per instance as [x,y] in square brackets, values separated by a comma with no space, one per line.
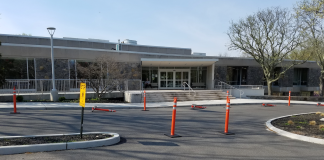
[288,79]
[133,97]
[254,75]
[313,77]
[244,93]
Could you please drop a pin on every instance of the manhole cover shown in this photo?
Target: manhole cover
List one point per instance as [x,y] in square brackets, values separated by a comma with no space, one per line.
[158,143]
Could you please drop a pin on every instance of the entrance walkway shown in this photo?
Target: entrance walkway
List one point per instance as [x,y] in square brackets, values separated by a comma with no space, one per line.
[59,105]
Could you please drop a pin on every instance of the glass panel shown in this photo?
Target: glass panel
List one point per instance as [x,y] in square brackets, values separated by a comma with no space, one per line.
[178,79]
[178,76]
[170,84]
[193,76]
[155,76]
[304,76]
[145,74]
[163,79]
[296,76]
[170,75]
[244,75]
[163,75]
[170,79]
[185,77]
[163,84]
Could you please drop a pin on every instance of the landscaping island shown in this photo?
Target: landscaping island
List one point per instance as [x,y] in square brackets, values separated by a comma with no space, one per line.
[305,124]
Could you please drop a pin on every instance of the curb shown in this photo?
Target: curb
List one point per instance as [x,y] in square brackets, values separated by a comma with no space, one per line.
[58,146]
[292,135]
[113,107]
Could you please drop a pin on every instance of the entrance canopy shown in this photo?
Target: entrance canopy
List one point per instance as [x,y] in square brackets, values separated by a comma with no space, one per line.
[153,62]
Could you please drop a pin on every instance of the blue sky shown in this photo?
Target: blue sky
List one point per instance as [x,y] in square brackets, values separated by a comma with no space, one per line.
[197,24]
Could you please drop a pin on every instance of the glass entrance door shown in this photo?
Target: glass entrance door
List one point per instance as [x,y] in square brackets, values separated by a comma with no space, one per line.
[170,80]
[173,79]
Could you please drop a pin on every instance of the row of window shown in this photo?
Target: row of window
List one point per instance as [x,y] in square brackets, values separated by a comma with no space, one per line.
[238,76]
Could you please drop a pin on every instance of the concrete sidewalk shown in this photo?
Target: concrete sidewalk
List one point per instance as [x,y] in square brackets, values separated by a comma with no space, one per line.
[59,105]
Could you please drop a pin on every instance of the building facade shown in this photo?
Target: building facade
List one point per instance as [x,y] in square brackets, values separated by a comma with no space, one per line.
[164,67]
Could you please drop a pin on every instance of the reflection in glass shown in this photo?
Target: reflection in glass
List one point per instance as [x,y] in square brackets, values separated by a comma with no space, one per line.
[170,75]
[163,84]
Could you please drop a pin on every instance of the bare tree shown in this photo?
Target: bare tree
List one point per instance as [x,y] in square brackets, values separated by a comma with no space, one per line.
[269,36]
[105,74]
[311,13]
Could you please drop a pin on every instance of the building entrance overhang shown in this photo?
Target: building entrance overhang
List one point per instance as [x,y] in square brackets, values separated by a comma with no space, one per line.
[155,62]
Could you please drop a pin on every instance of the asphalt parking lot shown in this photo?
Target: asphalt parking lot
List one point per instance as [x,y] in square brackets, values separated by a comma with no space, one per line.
[143,133]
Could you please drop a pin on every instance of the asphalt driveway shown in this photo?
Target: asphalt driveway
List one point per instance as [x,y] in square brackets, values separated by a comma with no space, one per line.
[143,133]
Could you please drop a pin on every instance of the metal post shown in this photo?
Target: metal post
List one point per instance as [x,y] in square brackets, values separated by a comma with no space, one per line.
[35,74]
[76,74]
[54,93]
[52,59]
[27,73]
[69,74]
[81,129]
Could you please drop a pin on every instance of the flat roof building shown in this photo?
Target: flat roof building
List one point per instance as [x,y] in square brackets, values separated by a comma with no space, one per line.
[164,67]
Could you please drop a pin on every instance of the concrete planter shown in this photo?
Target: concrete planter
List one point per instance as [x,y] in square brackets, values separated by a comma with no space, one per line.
[58,146]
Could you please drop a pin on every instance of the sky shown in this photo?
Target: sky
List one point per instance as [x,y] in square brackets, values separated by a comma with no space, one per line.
[197,24]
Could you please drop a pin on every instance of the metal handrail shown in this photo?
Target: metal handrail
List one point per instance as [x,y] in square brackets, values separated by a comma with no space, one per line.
[227,86]
[190,89]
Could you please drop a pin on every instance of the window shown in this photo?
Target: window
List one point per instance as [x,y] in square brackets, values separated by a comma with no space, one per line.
[236,75]
[300,76]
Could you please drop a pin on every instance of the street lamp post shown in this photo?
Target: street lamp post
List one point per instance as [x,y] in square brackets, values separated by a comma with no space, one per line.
[54,93]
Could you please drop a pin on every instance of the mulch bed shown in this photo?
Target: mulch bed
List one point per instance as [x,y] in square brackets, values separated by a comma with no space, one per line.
[111,100]
[301,125]
[51,139]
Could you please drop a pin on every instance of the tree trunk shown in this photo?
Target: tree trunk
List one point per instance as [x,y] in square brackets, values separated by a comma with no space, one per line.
[321,90]
[98,94]
[269,89]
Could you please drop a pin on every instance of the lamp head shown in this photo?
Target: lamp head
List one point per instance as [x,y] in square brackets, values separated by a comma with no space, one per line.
[51,30]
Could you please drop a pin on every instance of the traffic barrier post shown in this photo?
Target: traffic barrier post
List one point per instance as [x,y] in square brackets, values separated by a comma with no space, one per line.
[319,104]
[144,102]
[100,109]
[289,98]
[228,104]
[14,102]
[172,135]
[269,105]
[193,106]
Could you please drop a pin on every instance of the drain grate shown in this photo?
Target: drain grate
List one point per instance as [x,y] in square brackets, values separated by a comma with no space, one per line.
[157,143]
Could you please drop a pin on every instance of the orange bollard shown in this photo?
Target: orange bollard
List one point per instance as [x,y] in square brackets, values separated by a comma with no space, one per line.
[193,106]
[172,135]
[228,104]
[289,98]
[227,96]
[269,105]
[14,102]
[145,102]
[100,109]
[319,104]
